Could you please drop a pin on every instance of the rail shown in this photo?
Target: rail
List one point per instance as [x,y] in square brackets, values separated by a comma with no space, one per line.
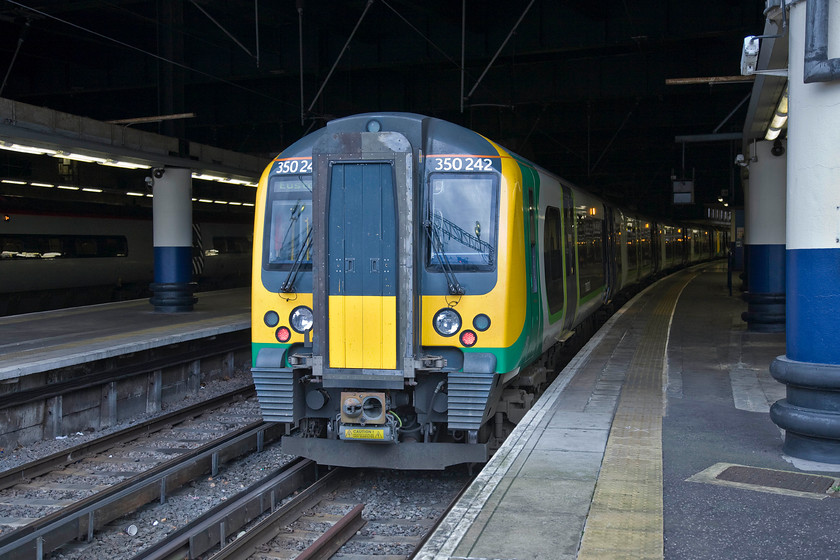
[71,455]
[79,520]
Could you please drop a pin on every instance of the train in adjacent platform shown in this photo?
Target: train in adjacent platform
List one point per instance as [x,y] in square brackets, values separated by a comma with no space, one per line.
[54,260]
[412,281]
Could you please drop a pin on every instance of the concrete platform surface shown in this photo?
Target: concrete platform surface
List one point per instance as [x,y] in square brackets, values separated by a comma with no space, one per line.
[629,453]
[38,342]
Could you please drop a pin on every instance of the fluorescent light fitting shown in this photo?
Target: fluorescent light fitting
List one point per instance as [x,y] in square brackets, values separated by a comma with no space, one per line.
[247,204]
[46,185]
[204,200]
[12,182]
[238,182]
[90,189]
[220,201]
[129,193]
[125,164]
[235,203]
[779,118]
[68,187]
[206,177]
[80,157]
[26,149]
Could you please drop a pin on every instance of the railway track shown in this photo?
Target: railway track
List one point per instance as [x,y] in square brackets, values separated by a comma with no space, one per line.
[290,509]
[81,490]
[331,519]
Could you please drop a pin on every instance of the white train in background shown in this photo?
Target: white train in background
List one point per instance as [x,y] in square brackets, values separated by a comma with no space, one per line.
[51,261]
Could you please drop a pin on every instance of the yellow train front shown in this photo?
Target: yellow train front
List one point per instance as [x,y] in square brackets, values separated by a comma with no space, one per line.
[391,301]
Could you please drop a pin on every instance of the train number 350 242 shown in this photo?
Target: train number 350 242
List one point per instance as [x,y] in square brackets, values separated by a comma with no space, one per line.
[462,164]
[294,166]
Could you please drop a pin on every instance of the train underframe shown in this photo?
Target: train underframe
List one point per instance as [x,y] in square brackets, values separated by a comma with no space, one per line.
[433,420]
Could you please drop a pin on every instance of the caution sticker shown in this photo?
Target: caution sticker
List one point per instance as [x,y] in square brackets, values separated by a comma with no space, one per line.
[364,433]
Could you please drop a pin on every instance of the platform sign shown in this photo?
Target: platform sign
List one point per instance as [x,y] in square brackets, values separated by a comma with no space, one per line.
[683,192]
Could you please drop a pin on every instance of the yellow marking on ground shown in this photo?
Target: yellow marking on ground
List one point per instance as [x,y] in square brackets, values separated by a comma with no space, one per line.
[625,518]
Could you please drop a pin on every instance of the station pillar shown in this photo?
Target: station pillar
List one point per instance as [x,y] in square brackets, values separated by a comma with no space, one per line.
[765,238]
[172,290]
[810,415]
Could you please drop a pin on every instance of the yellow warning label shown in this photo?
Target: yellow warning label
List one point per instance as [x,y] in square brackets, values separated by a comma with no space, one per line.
[364,433]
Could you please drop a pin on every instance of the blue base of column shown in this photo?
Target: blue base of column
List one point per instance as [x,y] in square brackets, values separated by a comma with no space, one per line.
[765,312]
[813,305]
[766,294]
[173,297]
[810,415]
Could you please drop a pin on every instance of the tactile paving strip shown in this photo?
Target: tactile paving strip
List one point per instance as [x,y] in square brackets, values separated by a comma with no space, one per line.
[625,519]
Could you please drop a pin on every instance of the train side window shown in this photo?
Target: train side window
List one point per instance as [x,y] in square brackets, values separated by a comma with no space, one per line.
[590,225]
[553,257]
[231,244]
[32,246]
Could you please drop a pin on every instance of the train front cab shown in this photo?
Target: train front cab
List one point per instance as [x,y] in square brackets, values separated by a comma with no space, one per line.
[386,354]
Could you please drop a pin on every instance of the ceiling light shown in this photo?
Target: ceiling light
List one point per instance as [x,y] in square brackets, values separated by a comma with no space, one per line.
[12,182]
[89,189]
[220,179]
[68,187]
[125,164]
[26,149]
[129,193]
[47,185]
[80,157]
[207,177]
[779,118]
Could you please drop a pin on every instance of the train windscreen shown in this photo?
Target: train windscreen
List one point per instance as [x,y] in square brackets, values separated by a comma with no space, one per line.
[463,211]
[289,223]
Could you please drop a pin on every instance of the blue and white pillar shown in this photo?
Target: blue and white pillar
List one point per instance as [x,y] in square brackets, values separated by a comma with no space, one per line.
[810,415]
[172,289]
[765,238]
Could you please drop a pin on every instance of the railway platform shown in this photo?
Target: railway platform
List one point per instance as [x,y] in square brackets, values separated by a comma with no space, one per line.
[654,442]
[49,340]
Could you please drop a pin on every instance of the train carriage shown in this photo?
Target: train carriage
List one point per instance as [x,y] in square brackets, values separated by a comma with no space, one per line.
[411,279]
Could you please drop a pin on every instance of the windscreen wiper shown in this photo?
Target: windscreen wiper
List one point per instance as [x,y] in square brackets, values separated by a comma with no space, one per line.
[289,284]
[455,287]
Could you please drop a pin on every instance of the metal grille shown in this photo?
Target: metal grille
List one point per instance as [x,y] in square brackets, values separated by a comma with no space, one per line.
[468,394]
[275,389]
[777,479]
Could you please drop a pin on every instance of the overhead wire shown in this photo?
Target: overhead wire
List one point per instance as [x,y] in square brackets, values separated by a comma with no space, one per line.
[147,53]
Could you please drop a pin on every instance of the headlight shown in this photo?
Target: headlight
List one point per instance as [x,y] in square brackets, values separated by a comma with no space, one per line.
[301,319]
[447,322]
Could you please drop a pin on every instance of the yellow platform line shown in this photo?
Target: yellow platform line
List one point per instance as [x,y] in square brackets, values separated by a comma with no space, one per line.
[625,518]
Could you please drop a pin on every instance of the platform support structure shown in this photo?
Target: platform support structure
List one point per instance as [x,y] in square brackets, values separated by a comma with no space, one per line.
[765,238]
[172,290]
[810,415]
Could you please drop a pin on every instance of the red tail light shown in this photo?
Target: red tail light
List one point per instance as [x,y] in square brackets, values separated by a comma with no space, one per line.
[283,334]
[468,338]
